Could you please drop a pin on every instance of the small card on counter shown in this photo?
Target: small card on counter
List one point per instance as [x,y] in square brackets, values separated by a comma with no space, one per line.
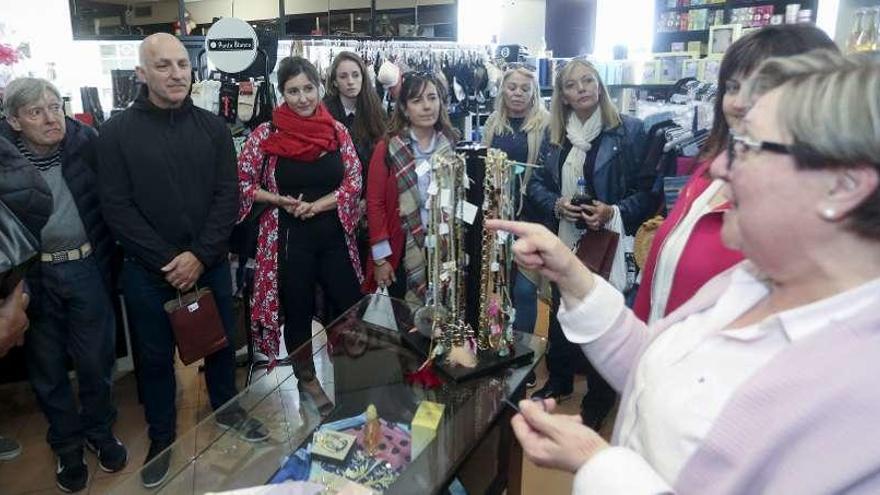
[332,445]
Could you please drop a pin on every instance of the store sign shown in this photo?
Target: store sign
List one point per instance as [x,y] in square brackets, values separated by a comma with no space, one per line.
[231,45]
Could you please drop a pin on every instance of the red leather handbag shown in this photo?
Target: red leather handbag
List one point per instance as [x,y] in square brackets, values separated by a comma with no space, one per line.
[198,328]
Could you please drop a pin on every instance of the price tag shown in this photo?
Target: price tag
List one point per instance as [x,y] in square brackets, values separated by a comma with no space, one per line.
[423,168]
[467,212]
[502,236]
[443,228]
[433,189]
[192,308]
[430,242]
[449,265]
[495,266]
[446,198]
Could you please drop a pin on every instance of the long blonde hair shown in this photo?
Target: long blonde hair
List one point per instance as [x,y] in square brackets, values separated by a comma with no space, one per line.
[534,124]
[559,111]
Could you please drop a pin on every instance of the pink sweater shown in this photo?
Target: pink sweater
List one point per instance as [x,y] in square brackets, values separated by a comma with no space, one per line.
[806,423]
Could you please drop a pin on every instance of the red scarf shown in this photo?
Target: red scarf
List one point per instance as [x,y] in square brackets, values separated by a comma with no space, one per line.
[299,138]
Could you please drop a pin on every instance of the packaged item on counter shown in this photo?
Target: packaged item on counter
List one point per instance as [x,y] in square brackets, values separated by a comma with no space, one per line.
[424,425]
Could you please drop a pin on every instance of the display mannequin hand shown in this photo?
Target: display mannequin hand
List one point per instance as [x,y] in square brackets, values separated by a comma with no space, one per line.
[553,440]
[538,249]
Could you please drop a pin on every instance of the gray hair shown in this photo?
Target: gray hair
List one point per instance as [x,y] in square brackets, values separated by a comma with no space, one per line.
[832,114]
[24,91]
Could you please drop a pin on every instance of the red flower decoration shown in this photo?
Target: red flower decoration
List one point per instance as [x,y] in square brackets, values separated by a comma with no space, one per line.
[426,377]
[8,55]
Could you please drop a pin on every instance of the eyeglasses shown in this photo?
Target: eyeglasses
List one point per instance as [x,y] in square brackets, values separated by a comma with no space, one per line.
[519,65]
[38,113]
[738,146]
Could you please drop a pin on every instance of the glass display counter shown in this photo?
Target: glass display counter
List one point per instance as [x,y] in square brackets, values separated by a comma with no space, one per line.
[320,435]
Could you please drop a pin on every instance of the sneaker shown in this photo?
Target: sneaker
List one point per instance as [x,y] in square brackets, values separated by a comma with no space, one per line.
[112,455]
[156,464]
[248,428]
[9,449]
[72,473]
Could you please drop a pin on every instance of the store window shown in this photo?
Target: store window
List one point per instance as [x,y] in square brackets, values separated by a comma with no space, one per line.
[202,14]
[122,18]
[307,17]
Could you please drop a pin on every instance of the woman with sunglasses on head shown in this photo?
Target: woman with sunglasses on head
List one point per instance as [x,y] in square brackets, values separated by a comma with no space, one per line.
[687,249]
[766,380]
[592,143]
[305,167]
[517,127]
[397,187]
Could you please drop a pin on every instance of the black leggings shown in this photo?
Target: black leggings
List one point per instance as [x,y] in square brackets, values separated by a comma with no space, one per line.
[313,252]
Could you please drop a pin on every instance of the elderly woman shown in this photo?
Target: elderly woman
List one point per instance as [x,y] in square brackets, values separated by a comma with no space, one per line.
[733,391]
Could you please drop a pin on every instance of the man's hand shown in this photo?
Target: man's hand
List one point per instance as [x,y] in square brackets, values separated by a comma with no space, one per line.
[183,271]
[13,319]
[554,441]
[569,211]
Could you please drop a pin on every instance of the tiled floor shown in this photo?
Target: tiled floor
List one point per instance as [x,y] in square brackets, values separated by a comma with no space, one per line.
[34,471]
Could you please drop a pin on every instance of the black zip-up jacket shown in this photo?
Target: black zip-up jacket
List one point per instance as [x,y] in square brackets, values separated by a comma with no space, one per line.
[168,182]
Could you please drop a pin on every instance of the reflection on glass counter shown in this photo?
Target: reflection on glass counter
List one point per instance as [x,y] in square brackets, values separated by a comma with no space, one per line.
[358,420]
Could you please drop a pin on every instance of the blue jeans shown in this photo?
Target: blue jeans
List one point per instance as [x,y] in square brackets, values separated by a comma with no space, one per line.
[525,302]
[145,294]
[73,317]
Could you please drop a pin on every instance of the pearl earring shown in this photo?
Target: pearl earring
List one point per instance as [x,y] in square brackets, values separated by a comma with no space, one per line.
[829,213]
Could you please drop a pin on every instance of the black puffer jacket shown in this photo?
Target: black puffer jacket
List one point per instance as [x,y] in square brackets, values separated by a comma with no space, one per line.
[79,167]
[23,190]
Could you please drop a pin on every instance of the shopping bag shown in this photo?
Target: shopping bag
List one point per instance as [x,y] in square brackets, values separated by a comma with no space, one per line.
[198,329]
[380,312]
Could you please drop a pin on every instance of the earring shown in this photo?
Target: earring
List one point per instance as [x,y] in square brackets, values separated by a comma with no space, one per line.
[829,213]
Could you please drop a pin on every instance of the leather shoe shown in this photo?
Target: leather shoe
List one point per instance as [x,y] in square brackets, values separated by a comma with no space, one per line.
[552,391]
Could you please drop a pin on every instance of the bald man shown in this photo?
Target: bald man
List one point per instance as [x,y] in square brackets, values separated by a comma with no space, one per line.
[169,192]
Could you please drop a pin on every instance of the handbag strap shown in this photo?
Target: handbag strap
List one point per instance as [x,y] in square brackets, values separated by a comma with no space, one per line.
[180,295]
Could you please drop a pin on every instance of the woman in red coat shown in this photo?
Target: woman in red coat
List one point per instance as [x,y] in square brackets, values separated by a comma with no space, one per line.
[687,250]
[398,182]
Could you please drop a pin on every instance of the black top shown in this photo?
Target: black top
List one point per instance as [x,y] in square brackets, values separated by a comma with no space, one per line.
[168,182]
[311,179]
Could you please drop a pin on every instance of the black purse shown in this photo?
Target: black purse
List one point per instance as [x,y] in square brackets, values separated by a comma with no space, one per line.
[19,249]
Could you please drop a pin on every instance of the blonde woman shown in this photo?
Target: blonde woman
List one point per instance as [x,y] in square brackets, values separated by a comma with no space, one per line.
[589,139]
[517,127]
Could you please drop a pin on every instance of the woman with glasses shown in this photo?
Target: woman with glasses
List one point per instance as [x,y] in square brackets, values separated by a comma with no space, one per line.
[766,380]
[397,187]
[304,166]
[594,147]
[687,249]
[517,127]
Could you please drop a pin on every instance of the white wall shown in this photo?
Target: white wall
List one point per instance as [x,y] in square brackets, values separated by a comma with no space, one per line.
[522,22]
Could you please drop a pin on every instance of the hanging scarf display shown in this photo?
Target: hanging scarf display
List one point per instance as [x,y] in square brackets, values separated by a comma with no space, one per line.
[300,138]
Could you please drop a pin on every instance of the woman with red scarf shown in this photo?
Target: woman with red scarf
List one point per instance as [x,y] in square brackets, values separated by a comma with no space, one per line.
[305,168]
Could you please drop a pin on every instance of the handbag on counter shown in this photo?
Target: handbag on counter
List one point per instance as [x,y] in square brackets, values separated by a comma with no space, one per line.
[198,328]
